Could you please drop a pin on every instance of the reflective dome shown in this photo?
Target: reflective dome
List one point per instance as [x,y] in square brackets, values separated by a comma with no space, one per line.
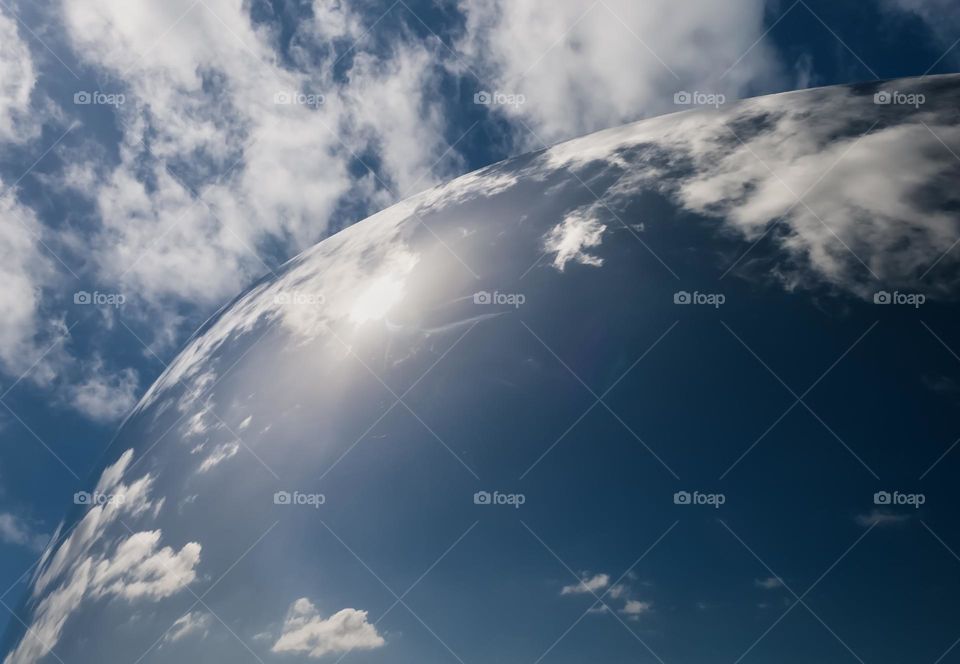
[679,391]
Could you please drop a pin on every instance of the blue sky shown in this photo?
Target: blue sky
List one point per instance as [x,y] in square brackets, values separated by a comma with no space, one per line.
[160,157]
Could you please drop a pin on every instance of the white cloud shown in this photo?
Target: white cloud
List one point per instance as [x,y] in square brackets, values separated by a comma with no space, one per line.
[305,631]
[103,395]
[33,339]
[593,585]
[209,167]
[204,99]
[219,454]
[585,66]
[195,622]
[26,267]
[635,607]
[210,170]
[139,569]
[341,269]
[25,270]
[617,591]
[588,584]
[570,238]
[861,194]
[768,583]
[229,170]
[15,530]
[17,81]
[866,203]
[89,564]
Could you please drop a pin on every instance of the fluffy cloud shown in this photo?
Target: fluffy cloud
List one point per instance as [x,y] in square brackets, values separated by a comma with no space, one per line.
[17,80]
[847,206]
[25,268]
[854,223]
[25,333]
[236,140]
[570,238]
[139,569]
[15,530]
[33,337]
[634,608]
[87,564]
[104,396]
[305,631]
[225,148]
[584,66]
[589,584]
[212,167]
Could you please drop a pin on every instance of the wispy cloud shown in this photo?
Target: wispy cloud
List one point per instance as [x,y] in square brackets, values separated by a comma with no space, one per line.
[882,518]
[14,530]
[192,623]
[768,583]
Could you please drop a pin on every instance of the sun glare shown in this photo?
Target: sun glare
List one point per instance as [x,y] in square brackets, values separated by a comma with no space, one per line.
[376,301]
